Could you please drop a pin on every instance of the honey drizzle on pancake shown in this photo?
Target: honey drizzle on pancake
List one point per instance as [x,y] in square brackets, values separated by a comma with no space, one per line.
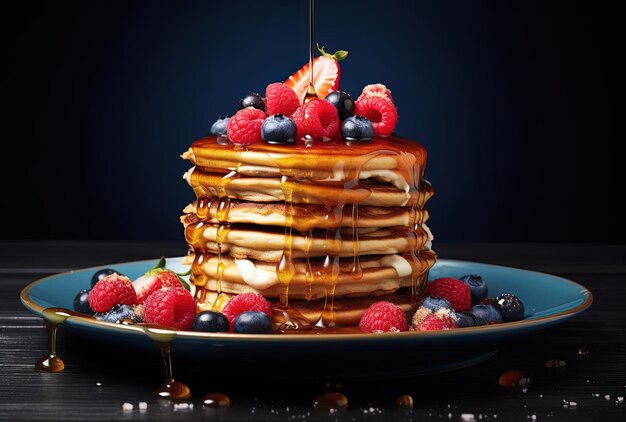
[303,168]
[223,228]
[285,269]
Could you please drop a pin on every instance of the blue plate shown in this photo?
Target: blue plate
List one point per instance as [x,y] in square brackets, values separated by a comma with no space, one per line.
[549,300]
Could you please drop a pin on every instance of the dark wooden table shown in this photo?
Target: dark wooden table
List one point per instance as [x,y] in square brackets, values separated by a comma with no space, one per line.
[95,385]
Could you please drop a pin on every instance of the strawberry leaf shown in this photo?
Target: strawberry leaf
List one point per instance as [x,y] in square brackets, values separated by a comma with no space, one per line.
[160,264]
[183,282]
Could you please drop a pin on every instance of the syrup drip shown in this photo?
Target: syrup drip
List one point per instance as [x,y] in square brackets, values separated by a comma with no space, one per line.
[223,228]
[330,270]
[216,400]
[357,271]
[285,269]
[53,318]
[202,209]
[308,274]
[330,400]
[405,401]
[172,389]
[311,94]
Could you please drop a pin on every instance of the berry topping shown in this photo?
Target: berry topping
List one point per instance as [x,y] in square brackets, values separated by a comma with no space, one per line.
[510,307]
[280,99]
[453,290]
[246,302]
[120,312]
[376,90]
[357,128]
[485,314]
[220,125]
[174,308]
[381,112]
[383,317]
[252,323]
[100,274]
[428,306]
[211,322]
[326,72]
[81,303]
[278,129]
[155,279]
[317,119]
[464,319]
[112,290]
[440,320]
[478,288]
[342,102]
[244,127]
[252,100]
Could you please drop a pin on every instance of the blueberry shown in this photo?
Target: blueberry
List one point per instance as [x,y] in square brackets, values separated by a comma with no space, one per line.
[211,322]
[357,128]
[81,303]
[343,102]
[219,127]
[510,306]
[433,303]
[278,129]
[485,314]
[464,319]
[119,312]
[252,100]
[100,274]
[252,323]
[478,288]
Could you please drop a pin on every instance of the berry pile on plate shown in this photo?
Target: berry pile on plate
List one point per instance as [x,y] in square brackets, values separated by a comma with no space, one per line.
[450,303]
[283,115]
[161,296]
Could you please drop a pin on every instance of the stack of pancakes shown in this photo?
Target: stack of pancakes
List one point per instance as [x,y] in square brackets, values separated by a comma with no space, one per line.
[321,229]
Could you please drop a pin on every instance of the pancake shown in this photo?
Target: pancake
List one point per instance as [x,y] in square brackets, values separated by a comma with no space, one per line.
[267,243]
[319,161]
[304,217]
[272,189]
[304,314]
[380,275]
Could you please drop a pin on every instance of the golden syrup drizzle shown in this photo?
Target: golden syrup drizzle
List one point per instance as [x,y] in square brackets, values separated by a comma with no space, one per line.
[285,268]
[310,92]
[53,317]
[330,400]
[357,271]
[330,269]
[223,208]
[308,272]
[202,208]
[216,400]
[163,337]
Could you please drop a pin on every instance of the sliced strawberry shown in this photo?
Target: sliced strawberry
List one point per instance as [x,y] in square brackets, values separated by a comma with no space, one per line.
[326,73]
[156,279]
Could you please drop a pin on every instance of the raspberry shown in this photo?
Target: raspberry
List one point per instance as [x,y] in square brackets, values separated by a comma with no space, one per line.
[112,290]
[279,98]
[381,112]
[376,90]
[383,317]
[246,302]
[318,119]
[172,307]
[437,321]
[244,127]
[453,290]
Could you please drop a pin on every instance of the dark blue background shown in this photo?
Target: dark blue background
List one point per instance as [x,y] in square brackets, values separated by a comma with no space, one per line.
[517,103]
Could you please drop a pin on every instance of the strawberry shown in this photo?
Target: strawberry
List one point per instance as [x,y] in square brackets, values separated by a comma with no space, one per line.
[155,279]
[326,72]
[384,317]
[454,291]
[280,99]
